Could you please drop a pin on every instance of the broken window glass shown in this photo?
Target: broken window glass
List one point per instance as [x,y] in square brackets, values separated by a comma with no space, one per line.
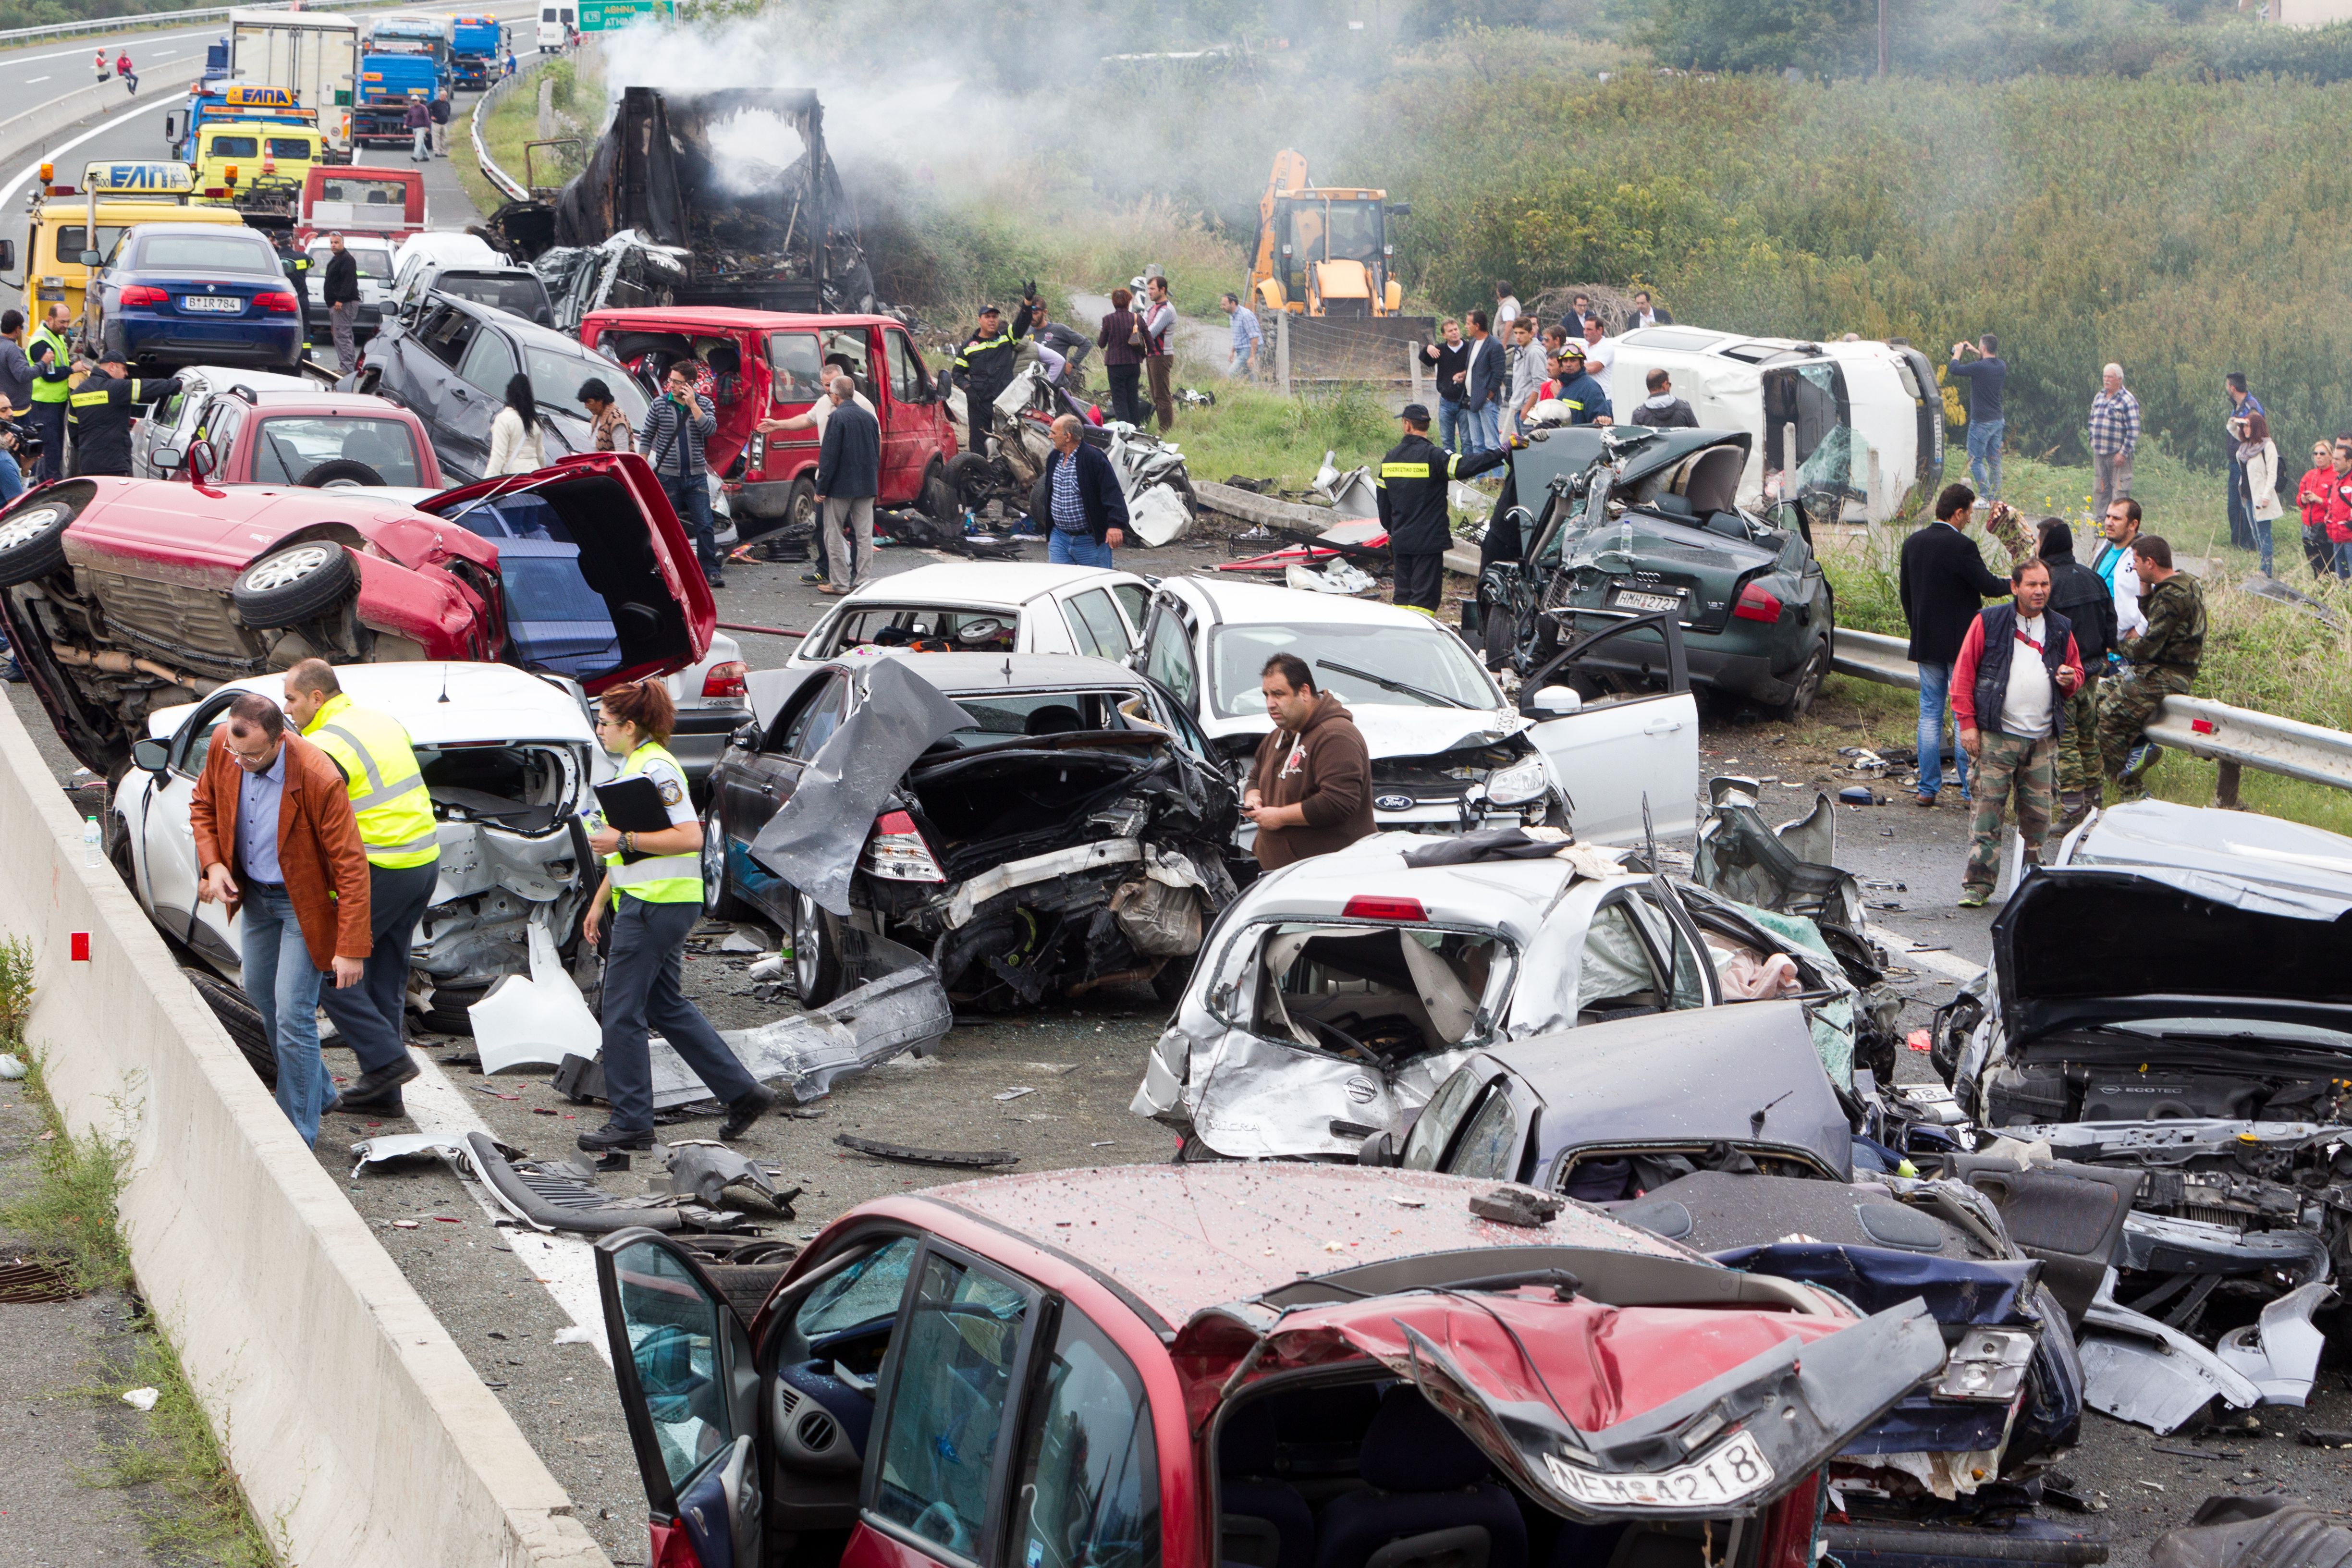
[947,1407]
[1089,1488]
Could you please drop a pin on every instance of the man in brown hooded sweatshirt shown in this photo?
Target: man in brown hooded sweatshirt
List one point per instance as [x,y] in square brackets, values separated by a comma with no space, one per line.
[1310,791]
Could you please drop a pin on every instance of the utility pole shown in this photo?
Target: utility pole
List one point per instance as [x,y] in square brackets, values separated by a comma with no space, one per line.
[1881,39]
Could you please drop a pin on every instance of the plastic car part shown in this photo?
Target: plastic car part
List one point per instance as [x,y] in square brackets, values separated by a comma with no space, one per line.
[392,1146]
[536,1018]
[1521,1206]
[975,1159]
[2138,1370]
[2280,1354]
[2255,1532]
[552,1200]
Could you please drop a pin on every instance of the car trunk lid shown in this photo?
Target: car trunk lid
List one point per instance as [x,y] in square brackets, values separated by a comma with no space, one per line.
[634,552]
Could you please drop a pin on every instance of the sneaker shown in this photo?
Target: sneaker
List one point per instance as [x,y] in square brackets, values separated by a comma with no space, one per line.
[811,579]
[2142,758]
[608,1136]
[1974,897]
[741,1114]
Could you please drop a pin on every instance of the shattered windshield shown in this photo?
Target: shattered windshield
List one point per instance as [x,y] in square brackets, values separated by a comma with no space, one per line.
[1000,716]
[1433,662]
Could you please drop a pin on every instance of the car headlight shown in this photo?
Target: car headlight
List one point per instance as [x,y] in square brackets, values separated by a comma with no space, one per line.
[1518,784]
[1987,1363]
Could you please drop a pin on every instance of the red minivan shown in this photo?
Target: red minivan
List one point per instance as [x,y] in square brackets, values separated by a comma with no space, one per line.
[1257,1365]
[769,365]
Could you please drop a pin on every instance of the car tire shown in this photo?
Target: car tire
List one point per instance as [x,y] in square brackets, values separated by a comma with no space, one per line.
[447,1015]
[242,1021]
[968,477]
[1806,684]
[340,473]
[816,950]
[801,510]
[938,498]
[719,900]
[1499,635]
[33,540]
[289,586]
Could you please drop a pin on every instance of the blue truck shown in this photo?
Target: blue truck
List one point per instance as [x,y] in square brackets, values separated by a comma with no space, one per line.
[404,57]
[475,45]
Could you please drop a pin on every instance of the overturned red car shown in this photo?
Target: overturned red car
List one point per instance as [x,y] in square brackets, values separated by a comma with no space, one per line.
[1271,1365]
[124,597]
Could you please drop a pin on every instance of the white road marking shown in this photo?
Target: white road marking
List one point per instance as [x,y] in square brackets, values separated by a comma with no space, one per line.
[111,122]
[565,1265]
[85,54]
[31,79]
[1945,963]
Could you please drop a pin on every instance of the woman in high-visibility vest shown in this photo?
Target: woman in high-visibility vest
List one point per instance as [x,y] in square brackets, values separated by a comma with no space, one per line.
[648,902]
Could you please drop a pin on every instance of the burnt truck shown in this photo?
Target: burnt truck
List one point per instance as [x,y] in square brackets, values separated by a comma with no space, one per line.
[673,210]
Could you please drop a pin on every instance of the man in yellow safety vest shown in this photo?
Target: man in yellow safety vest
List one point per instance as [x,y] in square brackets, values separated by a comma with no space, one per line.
[403,849]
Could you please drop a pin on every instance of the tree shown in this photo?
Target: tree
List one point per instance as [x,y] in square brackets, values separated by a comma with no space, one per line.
[1817,36]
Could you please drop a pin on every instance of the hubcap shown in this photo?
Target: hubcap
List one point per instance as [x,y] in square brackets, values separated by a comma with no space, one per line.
[287,566]
[27,526]
[714,860]
[804,954]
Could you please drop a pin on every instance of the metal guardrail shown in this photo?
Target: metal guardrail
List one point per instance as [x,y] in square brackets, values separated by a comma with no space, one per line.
[136,20]
[483,107]
[2235,738]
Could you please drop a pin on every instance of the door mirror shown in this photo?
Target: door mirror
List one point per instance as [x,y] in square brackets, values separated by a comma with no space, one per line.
[153,755]
[746,737]
[1556,701]
[172,131]
[202,461]
[170,459]
[7,256]
[92,258]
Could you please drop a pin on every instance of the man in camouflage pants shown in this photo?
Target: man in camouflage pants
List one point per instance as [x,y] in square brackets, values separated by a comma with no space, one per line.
[2017,666]
[2160,662]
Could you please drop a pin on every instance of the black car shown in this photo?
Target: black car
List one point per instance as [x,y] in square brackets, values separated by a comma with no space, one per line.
[450,364]
[1599,525]
[1030,823]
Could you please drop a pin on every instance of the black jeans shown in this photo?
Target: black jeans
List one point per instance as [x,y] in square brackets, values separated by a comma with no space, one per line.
[979,417]
[644,946]
[369,1016]
[1124,402]
[1420,581]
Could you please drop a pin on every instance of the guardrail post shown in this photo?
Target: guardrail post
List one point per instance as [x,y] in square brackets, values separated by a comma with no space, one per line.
[1282,350]
[2225,786]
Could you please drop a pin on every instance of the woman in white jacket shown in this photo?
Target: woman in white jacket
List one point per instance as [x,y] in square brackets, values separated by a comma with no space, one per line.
[514,435]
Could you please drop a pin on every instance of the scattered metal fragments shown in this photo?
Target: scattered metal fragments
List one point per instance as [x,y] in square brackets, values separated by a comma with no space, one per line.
[719,1177]
[2255,1532]
[390,1146]
[980,1159]
[1521,1206]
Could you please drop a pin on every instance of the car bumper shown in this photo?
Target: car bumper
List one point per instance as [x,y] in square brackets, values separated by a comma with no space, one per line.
[700,738]
[767,500]
[184,341]
[1714,659]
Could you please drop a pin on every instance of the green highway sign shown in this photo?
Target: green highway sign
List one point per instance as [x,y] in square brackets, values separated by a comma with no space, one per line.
[604,16]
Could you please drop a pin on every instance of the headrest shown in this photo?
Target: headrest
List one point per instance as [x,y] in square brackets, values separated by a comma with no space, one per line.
[1412,1448]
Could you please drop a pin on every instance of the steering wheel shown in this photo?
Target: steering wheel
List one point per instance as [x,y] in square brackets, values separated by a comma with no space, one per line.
[1337,1038]
[940,1522]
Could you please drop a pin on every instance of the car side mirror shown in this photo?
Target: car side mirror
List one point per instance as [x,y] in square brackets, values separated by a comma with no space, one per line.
[202,460]
[171,460]
[746,737]
[7,256]
[92,258]
[172,131]
[1556,701]
[153,755]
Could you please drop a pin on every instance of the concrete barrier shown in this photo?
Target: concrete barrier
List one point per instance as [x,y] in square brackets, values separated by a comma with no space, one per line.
[360,1434]
[28,134]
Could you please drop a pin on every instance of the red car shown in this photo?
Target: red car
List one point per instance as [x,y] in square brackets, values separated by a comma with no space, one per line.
[768,364]
[283,430]
[1278,1365]
[123,596]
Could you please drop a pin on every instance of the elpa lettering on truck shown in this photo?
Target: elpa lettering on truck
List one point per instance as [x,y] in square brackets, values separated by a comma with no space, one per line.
[169,179]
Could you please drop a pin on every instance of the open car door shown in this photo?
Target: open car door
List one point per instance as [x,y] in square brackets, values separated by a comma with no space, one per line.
[1628,760]
[599,543]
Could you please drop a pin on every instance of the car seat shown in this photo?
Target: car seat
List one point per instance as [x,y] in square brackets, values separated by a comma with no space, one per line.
[1429,1503]
[1263,1523]
[379,451]
[1054,719]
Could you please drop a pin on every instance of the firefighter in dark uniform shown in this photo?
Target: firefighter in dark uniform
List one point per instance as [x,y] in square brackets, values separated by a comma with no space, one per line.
[100,411]
[984,366]
[1412,492]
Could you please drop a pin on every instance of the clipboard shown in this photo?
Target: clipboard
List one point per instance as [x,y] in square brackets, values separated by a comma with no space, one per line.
[633,804]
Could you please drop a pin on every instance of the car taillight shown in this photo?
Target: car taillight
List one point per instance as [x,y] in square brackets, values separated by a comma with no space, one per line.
[726,680]
[1370,906]
[144,294]
[1756,604]
[277,304]
[897,851]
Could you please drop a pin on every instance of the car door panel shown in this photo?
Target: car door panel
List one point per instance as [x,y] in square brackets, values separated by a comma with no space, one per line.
[212,930]
[1626,755]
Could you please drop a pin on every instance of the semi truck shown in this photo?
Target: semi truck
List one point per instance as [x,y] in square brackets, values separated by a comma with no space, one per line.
[313,55]
[474,44]
[406,58]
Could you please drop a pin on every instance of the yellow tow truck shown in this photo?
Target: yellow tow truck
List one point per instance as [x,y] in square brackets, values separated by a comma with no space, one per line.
[64,221]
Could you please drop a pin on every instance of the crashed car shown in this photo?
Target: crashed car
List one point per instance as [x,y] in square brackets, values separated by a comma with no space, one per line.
[509,759]
[1600,526]
[1337,994]
[126,596]
[291,432]
[1457,1373]
[1449,751]
[985,607]
[1722,1133]
[1030,824]
[2192,1031]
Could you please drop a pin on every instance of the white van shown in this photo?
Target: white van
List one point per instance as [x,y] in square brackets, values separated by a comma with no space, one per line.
[555,25]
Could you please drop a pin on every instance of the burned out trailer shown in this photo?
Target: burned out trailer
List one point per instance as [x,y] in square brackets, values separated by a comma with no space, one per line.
[661,216]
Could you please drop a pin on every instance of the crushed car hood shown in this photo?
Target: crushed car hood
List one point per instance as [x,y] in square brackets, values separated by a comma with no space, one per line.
[2077,947]
[1599,1412]
[634,551]
[2240,844]
[1743,1074]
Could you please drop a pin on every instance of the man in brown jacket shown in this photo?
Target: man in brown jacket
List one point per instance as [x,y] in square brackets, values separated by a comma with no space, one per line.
[278,844]
[1310,791]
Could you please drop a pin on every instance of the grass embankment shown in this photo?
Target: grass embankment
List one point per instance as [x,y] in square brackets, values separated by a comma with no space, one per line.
[509,129]
[68,1219]
[2259,654]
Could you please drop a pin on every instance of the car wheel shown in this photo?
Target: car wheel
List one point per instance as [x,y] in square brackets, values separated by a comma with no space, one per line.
[1498,632]
[294,584]
[339,474]
[1807,683]
[938,498]
[719,900]
[816,950]
[33,540]
[799,506]
[448,1013]
[970,475]
[242,1021]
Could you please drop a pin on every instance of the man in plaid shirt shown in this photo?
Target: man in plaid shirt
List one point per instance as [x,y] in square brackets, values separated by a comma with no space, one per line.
[2115,432]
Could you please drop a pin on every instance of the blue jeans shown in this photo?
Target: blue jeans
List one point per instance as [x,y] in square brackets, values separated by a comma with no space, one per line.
[2261,527]
[1064,548]
[1984,456]
[1452,418]
[2343,560]
[283,985]
[1486,423]
[690,499]
[1935,688]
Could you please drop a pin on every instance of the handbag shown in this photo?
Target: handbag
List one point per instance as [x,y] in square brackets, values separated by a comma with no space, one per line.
[1135,339]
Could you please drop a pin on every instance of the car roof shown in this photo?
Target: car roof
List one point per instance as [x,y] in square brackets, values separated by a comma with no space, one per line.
[1180,1238]
[968,673]
[221,377]
[657,317]
[1010,584]
[2239,844]
[181,226]
[1255,603]
[448,704]
[1508,894]
[544,337]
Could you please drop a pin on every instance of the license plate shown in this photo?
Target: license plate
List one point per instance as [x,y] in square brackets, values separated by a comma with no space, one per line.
[1627,599]
[229,306]
[1736,1470]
